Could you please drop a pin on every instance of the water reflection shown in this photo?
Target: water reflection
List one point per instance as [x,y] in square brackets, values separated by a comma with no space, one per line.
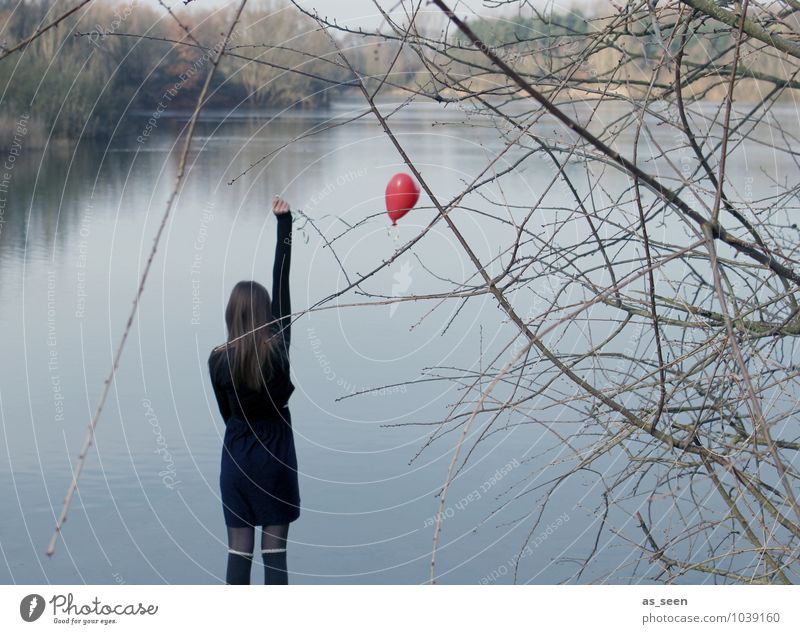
[78,227]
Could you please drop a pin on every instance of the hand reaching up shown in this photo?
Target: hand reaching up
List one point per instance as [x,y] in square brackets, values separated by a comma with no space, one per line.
[279,205]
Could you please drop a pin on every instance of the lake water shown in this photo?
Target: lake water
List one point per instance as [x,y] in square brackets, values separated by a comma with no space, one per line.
[78,228]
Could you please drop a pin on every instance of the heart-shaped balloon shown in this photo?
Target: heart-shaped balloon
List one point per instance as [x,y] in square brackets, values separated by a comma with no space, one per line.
[402,193]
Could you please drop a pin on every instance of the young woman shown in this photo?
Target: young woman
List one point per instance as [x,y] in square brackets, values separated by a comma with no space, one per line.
[250,375]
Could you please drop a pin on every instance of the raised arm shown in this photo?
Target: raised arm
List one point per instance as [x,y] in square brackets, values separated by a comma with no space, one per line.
[281,301]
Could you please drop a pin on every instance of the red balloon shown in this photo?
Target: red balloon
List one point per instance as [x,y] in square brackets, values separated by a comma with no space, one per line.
[402,193]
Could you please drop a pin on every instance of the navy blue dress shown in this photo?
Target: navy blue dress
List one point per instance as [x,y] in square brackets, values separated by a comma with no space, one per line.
[258,471]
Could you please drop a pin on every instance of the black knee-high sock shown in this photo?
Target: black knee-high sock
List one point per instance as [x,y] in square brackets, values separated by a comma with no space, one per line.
[275,567]
[238,572]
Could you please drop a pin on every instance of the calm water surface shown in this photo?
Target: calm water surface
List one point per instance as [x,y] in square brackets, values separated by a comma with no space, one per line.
[77,231]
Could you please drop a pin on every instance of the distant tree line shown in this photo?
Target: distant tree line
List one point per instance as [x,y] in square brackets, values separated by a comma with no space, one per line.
[102,67]
[111,63]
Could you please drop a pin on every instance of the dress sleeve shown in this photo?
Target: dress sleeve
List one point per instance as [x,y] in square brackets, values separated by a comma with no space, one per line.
[222,398]
[281,302]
